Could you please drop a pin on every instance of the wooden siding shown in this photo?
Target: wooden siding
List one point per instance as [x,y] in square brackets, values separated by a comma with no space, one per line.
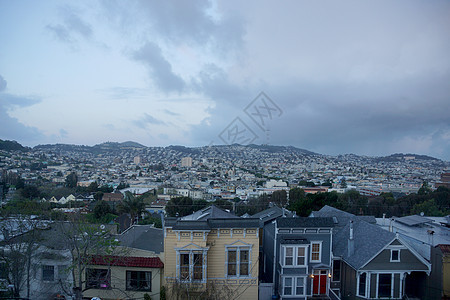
[408,261]
[216,240]
[118,284]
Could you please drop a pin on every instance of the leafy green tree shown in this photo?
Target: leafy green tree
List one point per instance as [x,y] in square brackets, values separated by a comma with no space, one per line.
[424,189]
[131,205]
[101,209]
[179,207]
[428,207]
[279,198]
[72,180]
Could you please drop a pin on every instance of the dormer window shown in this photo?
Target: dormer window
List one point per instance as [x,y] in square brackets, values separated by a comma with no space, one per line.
[395,255]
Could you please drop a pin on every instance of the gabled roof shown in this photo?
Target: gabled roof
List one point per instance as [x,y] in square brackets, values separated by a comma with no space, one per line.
[304,222]
[208,212]
[144,237]
[126,261]
[368,241]
[271,214]
[341,218]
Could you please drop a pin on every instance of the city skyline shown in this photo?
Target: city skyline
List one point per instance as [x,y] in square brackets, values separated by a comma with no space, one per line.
[347,77]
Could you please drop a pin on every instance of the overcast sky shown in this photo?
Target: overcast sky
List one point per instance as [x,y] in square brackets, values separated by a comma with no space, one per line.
[363,77]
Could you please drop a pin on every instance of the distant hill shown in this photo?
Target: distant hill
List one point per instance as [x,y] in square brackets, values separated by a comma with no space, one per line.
[275,149]
[114,146]
[405,157]
[11,146]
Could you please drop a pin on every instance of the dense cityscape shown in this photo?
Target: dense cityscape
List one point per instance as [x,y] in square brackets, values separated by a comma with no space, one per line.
[136,200]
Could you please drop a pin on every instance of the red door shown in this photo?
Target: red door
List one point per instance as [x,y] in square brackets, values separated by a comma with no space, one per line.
[320,283]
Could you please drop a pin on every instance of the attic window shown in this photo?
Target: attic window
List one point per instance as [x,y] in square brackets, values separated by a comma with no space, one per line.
[395,255]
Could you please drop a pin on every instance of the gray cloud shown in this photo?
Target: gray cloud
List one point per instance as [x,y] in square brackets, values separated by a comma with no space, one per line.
[72,26]
[11,128]
[147,120]
[171,113]
[159,68]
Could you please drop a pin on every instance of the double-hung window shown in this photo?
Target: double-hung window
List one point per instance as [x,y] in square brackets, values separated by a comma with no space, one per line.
[293,286]
[238,261]
[316,251]
[293,256]
[190,266]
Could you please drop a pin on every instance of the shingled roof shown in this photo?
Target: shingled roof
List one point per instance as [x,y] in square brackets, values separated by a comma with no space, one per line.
[126,261]
[368,241]
[304,222]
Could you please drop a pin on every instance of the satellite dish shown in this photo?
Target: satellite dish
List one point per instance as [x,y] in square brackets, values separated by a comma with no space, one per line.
[422,214]
[102,226]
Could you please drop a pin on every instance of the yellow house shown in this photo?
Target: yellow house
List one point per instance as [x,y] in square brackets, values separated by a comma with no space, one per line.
[213,254]
[122,277]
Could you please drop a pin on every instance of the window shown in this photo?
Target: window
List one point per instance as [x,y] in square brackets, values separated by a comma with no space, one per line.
[238,261]
[139,281]
[316,248]
[395,255]
[184,266]
[362,285]
[48,273]
[293,286]
[98,278]
[198,266]
[287,290]
[300,286]
[289,256]
[384,285]
[291,252]
[191,266]
[336,270]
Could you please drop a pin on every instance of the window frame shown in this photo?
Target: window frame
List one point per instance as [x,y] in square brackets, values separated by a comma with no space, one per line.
[294,285]
[238,262]
[128,280]
[98,284]
[312,252]
[361,282]
[191,265]
[295,256]
[336,262]
[390,285]
[47,268]
[398,255]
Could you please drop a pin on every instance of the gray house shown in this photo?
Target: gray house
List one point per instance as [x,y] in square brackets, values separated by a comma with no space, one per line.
[372,263]
[297,256]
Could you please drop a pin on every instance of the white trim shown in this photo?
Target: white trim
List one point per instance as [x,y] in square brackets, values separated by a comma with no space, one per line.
[294,255]
[311,252]
[400,239]
[398,255]
[238,249]
[293,286]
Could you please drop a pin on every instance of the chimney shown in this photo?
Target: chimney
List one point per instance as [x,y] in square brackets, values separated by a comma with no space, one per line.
[351,241]
[384,219]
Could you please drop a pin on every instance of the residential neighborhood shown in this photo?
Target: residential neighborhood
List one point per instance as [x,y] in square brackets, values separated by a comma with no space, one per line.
[124,221]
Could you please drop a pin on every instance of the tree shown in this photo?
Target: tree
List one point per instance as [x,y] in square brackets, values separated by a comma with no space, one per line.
[279,198]
[424,189]
[131,205]
[179,207]
[101,209]
[85,240]
[72,180]
[21,236]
